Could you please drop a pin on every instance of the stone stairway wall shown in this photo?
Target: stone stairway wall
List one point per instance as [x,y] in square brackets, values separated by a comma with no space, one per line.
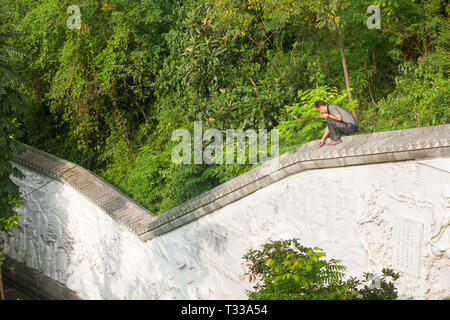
[376,200]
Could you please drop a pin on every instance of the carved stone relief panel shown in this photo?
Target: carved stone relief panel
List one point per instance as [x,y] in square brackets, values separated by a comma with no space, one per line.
[393,215]
[40,241]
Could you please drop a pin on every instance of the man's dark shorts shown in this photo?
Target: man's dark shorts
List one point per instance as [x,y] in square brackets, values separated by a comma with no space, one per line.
[339,126]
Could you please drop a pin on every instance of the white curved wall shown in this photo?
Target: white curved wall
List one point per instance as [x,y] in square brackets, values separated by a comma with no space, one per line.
[393,215]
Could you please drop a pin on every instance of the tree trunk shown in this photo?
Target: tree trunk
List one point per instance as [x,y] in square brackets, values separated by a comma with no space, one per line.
[374,70]
[133,98]
[344,65]
[2,293]
[113,96]
[127,137]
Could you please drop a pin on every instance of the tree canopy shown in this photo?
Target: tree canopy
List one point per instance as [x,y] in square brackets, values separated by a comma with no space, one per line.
[10,120]
[110,94]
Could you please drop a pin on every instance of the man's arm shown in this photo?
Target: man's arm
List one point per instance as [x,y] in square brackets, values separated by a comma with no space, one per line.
[326,116]
[325,134]
[333,109]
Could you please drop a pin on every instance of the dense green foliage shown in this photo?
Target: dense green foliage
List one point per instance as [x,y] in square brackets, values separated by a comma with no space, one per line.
[110,94]
[10,113]
[286,270]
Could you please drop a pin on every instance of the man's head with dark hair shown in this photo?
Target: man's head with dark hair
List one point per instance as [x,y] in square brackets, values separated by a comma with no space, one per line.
[320,103]
[321,106]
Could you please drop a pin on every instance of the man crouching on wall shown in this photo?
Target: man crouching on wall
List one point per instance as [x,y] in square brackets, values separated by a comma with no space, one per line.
[338,120]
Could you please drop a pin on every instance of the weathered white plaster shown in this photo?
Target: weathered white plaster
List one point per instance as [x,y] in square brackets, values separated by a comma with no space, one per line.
[393,215]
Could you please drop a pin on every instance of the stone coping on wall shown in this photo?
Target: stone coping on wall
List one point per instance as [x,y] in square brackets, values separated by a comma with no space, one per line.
[390,146]
[111,200]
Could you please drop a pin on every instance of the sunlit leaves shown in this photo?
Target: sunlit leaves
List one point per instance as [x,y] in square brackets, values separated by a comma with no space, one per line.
[286,270]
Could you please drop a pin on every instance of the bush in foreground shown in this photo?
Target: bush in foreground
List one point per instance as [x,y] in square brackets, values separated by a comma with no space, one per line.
[286,270]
